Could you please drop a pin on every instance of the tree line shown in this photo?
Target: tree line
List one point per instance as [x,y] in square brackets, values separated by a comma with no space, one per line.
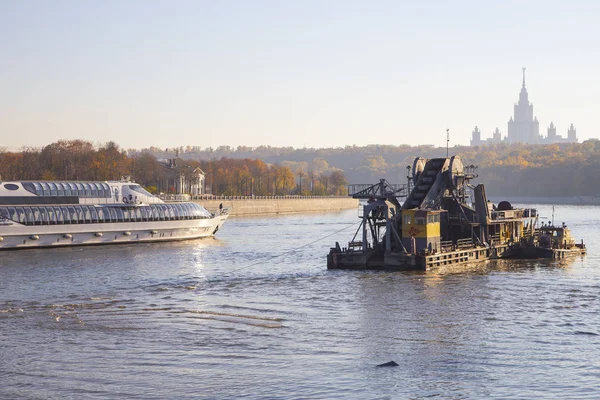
[565,169]
[82,161]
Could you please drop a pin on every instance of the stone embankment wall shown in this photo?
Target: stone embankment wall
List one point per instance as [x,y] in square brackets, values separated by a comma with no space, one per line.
[263,205]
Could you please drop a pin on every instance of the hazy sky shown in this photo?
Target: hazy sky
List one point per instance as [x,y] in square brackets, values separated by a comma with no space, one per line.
[291,73]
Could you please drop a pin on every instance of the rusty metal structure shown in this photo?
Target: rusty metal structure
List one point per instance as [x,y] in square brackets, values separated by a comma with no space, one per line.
[439,218]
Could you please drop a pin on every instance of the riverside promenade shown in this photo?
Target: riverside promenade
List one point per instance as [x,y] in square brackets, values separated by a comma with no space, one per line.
[264,205]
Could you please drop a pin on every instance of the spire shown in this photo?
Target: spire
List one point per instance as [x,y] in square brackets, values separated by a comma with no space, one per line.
[524,76]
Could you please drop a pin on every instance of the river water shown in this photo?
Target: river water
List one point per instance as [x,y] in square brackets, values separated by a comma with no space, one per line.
[255,314]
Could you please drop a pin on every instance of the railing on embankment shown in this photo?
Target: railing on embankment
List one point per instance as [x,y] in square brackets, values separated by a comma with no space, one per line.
[259,205]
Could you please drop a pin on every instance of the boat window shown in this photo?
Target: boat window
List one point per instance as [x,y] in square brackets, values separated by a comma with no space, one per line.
[70,214]
[138,214]
[39,216]
[44,216]
[19,215]
[129,214]
[133,214]
[88,189]
[4,212]
[11,186]
[176,211]
[94,213]
[190,211]
[62,215]
[53,190]
[80,191]
[60,189]
[144,211]
[45,189]
[80,217]
[74,215]
[139,189]
[38,188]
[126,217]
[111,214]
[407,219]
[13,214]
[59,215]
[153,214]
[28,186]
[159,214]
[165,211]
[93,190]
[420,220]
[185,211]
[100,212]
[50,217]
[199,211]
[87,213]
[21,218]
[194,211]
[35,211]
[171,211]
[29,216]
[73,188]
[203,212]
[119,212]
[107,192]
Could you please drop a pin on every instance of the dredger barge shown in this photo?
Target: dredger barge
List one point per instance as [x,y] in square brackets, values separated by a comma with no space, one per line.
[444,220]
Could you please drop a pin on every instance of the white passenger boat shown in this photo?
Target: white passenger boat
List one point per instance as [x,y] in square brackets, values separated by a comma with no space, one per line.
[37,214]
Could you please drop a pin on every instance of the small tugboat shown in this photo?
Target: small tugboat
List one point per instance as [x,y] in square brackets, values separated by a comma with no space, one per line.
[437,225]
[549,241]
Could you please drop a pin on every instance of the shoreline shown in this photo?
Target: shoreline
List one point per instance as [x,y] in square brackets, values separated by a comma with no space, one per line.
[565,200]
[274,205]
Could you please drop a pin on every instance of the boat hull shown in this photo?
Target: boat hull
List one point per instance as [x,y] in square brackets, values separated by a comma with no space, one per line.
[537,252]
[14,237]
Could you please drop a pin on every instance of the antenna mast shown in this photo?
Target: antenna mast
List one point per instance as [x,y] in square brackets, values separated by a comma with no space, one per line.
[447,141]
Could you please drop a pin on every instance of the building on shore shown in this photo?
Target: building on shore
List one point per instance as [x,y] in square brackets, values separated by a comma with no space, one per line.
[524,127]
[182,179]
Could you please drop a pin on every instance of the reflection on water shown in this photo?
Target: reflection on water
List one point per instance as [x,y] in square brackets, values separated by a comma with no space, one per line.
[255,314]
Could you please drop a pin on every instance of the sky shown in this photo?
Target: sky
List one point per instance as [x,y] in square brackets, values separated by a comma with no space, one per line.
[325,73]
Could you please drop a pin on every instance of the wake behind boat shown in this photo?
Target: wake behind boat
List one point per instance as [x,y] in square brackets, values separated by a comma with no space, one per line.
[37,214]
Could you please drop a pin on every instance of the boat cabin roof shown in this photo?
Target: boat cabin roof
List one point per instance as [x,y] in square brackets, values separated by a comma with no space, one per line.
[554,230]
